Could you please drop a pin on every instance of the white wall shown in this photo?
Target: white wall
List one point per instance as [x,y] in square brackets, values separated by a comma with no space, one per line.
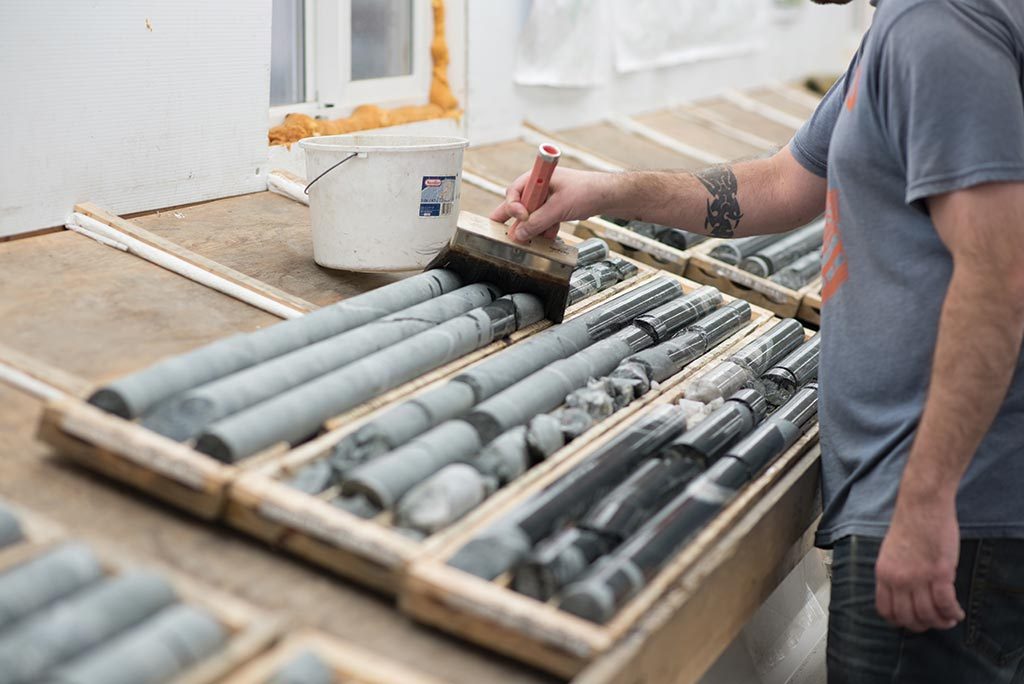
[818,40]
[134,105]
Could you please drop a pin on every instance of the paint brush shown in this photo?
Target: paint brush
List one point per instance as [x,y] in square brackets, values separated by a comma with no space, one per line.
[482,251]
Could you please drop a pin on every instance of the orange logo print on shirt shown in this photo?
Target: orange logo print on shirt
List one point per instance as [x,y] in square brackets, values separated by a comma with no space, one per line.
[851,96]
[834,271]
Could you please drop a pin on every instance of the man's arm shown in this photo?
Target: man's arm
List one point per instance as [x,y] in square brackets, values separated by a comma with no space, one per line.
[767,195]
[977,351]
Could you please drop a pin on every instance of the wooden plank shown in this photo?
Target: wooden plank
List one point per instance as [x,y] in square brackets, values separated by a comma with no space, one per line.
[370,551]
[636,246]
[249,630]
[626,149]
[265,236]
[478,201]
[349,663]
[506,161]
[45,372]
[127,452]
[699,134]
[810,306]
[129,228]
[773,98]
[98,313]
[748,121]
[494,616]
[704,268]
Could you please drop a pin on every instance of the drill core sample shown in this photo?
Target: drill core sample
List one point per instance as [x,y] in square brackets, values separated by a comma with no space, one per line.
[32,646]
[780,254]
[185,415]
[590,280]
[745,366]
[796,370]
[455,398]
[800,272]
[133,395]
[153,652]
[10,528]
[564,556]
[298,413]
[451,492]
[386,479]
[506,542]
[38,582]
[733,252]
[591,251]
[305,668]
[613,579]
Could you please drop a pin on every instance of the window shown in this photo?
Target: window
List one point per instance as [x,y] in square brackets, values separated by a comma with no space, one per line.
[342,53]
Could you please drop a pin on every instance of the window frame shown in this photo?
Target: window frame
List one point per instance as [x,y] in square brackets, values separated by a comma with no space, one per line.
[328,64]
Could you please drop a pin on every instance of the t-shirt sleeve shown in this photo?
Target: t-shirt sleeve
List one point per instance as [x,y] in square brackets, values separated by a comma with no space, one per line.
[809,145]
[949,94]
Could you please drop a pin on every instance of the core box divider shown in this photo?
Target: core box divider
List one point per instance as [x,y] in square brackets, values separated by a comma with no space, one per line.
[371,552]
[348,662]
[176,473]
[784,301]
[250,630]
[678,624]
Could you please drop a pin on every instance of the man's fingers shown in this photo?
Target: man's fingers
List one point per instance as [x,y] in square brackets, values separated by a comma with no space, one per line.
[925,612]
[507,210]
[944,596]
[552,232]
[903,610]
[883,601]
[538,222]
[514,192]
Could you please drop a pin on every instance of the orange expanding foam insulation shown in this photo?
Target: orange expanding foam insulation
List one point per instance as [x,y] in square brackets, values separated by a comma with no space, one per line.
[442,102]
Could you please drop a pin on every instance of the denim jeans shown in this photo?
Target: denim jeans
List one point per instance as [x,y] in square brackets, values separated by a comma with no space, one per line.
[985,648]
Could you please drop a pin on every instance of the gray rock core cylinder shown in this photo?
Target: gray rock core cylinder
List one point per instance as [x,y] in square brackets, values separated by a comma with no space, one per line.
[38,582]
[591,251]
[154,652]
[734,251]
[305,668]
[800,367]
[800,272]
[31,647]
[299,412]
[779,254]
[135,394]
[10,528]
[186,415]
[746,365]
[455,398]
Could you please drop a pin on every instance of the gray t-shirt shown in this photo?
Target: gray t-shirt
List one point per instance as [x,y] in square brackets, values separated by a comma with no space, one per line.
[933,102]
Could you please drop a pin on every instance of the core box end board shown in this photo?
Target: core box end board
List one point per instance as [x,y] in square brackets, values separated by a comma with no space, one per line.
[678,625]
[786,302]
[176,473]
[348,663]
[250,631]
[372,552]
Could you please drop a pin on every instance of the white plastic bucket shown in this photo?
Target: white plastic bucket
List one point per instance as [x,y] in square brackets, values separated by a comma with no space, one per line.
[390,205]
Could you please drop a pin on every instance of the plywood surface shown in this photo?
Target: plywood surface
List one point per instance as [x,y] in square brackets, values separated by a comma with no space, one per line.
[99,511]
[504,162]
[477,200]
[627,149]
[265,236]
[698,134]
[781,102]
[97,312]
[750,122]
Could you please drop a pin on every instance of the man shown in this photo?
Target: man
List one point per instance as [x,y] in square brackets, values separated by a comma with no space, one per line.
[917,158]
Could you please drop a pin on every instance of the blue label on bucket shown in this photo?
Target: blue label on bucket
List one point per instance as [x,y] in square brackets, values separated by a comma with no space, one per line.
[437,195]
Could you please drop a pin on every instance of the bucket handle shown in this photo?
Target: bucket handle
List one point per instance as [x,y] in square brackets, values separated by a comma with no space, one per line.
[331,168]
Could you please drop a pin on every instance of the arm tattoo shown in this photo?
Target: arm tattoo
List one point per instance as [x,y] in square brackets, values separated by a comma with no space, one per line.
[723,208]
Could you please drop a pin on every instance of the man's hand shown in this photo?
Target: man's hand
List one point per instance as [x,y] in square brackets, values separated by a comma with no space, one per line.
[916,566]
[574,195]
[770,195]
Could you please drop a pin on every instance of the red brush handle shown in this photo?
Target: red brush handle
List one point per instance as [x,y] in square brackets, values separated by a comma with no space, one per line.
[536,191]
